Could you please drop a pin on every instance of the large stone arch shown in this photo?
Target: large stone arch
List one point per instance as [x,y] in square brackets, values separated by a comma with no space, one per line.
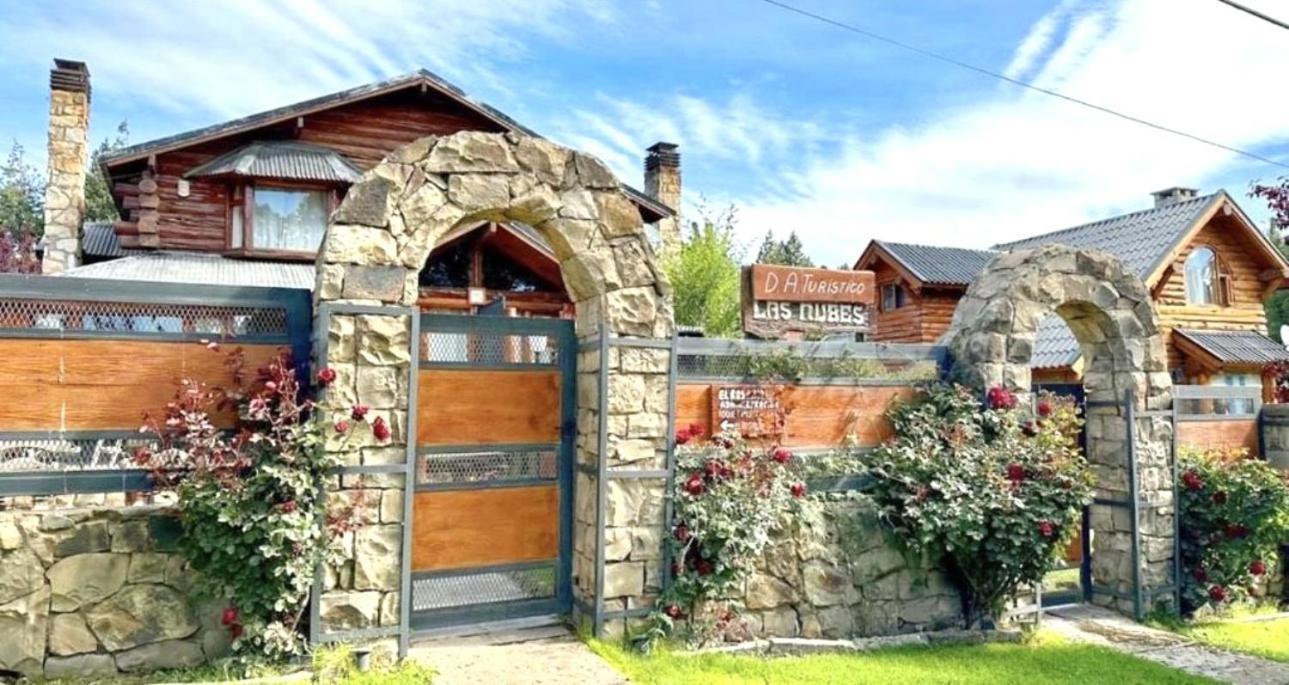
[376,243]
[1109,310]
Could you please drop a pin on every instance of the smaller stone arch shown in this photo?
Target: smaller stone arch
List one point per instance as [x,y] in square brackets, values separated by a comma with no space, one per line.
[1109,310]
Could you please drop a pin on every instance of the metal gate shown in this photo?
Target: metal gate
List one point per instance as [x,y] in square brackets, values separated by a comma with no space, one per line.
[492,524]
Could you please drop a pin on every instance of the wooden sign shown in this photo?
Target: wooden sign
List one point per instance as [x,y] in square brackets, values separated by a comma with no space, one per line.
[778,300]
[749,409]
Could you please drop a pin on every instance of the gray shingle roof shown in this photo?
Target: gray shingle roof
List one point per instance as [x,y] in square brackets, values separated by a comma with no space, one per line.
[175,267]
[1054,344]
[1141,240]
[98,239]
[288,112]
[281,159]
[1237,347]
[939,265]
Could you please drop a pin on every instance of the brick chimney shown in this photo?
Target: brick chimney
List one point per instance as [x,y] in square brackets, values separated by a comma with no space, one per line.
[1171,196]
[662,182]
[69,121]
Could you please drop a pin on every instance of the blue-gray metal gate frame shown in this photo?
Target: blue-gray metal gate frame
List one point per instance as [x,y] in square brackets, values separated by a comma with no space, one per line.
[445,598]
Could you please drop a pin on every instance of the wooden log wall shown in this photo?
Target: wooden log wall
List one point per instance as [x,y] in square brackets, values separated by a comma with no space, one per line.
[1234,433]
[84,385]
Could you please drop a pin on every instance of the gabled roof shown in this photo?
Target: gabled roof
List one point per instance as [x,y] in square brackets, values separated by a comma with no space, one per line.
[933,265]
[1142,240]
[1236,347]
[190,267]
[281,159]
[417,79]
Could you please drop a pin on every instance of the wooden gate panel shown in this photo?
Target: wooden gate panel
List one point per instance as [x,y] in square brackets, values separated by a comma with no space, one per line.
[483,407]
[469,528]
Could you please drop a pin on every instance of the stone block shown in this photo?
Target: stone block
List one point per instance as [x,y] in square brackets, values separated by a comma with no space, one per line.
[354,244]
[24,623]
[377,557]
[68,635]
[383,283]
[141,615]
[349,610]
[86,578]
[624,579]
[21,574]
[83,667]
[161,655]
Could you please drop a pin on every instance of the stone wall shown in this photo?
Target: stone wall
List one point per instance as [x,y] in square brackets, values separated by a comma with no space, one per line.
[69,120]
[94,592]
[839,576]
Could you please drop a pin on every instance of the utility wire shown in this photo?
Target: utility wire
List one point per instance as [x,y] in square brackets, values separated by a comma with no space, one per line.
[1018,82]
[1260,15]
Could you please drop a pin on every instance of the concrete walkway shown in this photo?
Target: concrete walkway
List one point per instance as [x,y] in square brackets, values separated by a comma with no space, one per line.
[1096,625]
[545,655]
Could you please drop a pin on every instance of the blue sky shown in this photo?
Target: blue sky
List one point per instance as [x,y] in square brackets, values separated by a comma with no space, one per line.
[799,124]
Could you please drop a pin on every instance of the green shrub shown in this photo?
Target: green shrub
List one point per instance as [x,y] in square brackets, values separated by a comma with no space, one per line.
[1235,515]
[993,490]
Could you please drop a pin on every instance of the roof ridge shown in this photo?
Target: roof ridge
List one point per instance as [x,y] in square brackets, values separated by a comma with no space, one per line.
[1200,199]
[934,247]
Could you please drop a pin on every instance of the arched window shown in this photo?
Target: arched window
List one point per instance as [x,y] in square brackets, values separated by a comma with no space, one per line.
[1201,277]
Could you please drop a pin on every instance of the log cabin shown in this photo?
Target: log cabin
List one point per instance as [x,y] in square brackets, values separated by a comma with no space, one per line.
[1207,266]
[246,202]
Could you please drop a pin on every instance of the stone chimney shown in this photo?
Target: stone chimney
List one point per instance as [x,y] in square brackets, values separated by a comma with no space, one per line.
[662,182]
[69,121]
[1171,196]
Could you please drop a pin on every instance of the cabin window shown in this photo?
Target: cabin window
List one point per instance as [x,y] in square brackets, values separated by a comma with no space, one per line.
[288,219]
[893,297]
[1202,283]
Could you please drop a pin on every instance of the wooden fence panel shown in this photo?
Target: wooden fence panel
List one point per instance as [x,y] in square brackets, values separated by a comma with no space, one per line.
[1232,433]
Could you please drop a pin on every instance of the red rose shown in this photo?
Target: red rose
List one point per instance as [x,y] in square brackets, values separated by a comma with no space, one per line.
[781,455]
[1200,575]
[230,616]
[327,376]
[1217,593]
[359,411]
[1219,497]
[695,430]
[1258,567]
[1192,481]
[681,532]
[380,429]
[714,468]
[694,485]
[704,567]
[342,426]
[1236,531]
[1015,472]
[798,489]
[999,397]
[236,630]
[673,611]
[683,436]
[1046,529]
[1044,408]
[287,507]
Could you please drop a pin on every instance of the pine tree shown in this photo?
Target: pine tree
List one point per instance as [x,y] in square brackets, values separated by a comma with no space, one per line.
[789,252]
[99,205]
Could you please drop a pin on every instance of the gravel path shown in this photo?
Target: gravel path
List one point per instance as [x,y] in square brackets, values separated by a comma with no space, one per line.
[1101,626]
[537,656]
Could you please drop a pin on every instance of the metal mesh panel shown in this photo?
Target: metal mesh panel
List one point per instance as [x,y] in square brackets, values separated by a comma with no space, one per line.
[129,317]
[68,455]
[793,366]
[485,587]
[489,348]
[474,467]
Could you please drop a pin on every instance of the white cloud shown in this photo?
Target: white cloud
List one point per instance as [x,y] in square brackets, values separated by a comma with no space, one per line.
[1016,163]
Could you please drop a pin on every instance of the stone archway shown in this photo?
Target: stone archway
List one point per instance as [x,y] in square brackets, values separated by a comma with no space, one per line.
[377,242]
[1109,310]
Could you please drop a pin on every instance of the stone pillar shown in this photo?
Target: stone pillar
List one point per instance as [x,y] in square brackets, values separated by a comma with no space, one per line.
[662,182]
[69,120]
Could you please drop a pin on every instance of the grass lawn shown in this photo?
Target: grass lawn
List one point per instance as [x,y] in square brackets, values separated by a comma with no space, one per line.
[1266,638]
[1047,659]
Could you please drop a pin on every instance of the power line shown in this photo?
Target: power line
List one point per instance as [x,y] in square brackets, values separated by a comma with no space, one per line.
[1260,15]
[1018,82]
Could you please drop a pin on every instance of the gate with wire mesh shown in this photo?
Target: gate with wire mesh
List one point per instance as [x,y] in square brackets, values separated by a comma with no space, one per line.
[491,525]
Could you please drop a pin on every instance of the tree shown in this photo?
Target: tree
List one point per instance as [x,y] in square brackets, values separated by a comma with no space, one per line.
[704,274]
[22,194]
[1277,198]
[99,205]
[787,252]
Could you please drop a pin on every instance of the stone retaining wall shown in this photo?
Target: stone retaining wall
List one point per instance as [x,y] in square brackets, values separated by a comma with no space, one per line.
[94,592]
[836,575]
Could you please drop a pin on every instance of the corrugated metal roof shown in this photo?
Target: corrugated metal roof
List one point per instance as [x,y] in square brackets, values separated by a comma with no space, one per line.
[1237,347]
[172,267]
[1140,239]
[940,265]
[281,159]
[1055,346]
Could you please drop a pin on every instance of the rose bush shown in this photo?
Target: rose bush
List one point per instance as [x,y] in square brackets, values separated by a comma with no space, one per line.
[993,490]
[730,497]
[1235,515]
[248,497]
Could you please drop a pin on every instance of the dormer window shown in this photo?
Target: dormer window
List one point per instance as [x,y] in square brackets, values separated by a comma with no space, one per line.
[280,194]
[1205,283]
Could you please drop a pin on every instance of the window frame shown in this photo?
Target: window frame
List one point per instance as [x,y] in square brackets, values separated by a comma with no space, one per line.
[1220,286]
[241,203]
[900,296]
